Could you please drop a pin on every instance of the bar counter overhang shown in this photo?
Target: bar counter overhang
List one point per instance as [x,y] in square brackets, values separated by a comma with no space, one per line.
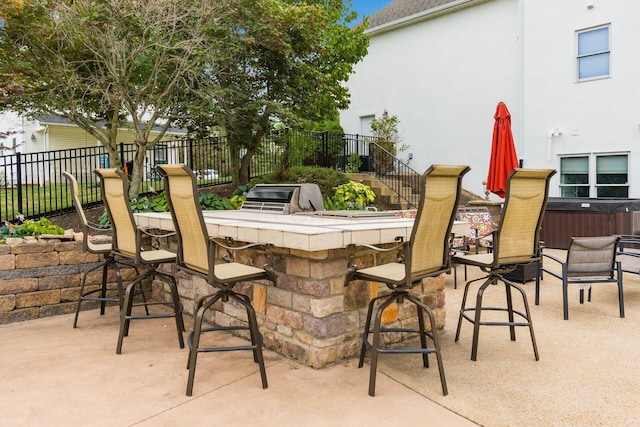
[310,316]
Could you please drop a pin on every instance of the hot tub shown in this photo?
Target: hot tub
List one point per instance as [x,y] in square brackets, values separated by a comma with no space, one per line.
[567,217]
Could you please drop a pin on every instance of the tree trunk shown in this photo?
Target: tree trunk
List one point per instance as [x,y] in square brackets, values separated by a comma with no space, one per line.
[138,170]
[244,168]
[114,158]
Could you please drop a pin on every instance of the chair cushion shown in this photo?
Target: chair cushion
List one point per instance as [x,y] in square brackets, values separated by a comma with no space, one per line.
[235,271]
[481,225]
[157,256]
[391,272]
[101,248]
[480,260]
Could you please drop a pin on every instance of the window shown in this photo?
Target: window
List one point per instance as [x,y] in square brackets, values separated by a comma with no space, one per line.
[574,176]
[365,124]
[609,179]
[593,53]
[611,176]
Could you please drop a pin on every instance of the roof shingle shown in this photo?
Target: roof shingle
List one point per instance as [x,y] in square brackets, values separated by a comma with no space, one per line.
[403,8]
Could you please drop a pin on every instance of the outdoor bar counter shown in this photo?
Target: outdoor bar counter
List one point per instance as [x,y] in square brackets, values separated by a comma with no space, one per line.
[310,316]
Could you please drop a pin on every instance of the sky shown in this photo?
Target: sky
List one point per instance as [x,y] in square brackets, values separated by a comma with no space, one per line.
[368,7]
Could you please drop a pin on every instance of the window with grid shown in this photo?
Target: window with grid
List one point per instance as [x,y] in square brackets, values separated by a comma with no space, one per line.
[574,176]
[612,176]
[594,53]
[609,178]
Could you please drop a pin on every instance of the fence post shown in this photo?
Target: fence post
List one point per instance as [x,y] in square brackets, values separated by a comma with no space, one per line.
[19,180]
[122,161]
[324,148]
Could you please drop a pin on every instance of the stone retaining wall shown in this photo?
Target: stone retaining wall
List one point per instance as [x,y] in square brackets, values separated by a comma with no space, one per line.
[41,278]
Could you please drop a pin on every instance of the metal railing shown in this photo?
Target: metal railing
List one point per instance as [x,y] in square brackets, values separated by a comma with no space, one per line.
[32,185]
[395,174]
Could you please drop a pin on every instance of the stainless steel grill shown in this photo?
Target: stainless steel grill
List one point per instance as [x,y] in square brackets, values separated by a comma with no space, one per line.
[284,198]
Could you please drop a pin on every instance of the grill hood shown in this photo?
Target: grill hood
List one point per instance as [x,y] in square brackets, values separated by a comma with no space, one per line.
[284,198]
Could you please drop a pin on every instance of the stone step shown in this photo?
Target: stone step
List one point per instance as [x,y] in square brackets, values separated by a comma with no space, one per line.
[384,190]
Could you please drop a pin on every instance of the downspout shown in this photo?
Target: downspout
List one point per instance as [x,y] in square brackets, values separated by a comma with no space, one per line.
[521,138]
[552,134]
[46,137]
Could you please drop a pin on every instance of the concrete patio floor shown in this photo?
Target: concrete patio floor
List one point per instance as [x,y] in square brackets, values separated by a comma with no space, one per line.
[54,375]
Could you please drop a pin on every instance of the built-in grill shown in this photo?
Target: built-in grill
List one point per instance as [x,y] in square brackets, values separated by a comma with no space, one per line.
[284,198]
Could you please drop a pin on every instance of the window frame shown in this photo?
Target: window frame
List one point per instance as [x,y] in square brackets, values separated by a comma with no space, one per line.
[564,186]
[598,186]
[594,187]
[579,56]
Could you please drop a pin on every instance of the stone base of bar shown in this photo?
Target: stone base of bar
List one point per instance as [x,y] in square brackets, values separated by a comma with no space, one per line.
[311,316]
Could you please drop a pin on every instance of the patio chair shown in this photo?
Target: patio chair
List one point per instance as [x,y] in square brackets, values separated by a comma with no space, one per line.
[105,293]
[589,260]
[128,244]
[480,235]
[516,241]
[200,258]
[425,254]
[628,253]
[482,226]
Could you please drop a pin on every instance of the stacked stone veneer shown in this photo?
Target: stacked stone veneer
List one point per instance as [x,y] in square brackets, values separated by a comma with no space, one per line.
[40,278]
[311,316]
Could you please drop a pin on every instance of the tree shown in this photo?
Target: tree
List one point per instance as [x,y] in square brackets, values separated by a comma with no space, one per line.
[386,131]
[105,64]
[277,59]
[229,64]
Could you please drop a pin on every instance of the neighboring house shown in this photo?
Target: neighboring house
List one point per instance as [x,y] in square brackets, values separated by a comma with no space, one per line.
[567,70]
[51,133]
[54,133]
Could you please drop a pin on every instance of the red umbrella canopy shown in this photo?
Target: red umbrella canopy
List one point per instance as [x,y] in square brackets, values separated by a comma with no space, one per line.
[503,152]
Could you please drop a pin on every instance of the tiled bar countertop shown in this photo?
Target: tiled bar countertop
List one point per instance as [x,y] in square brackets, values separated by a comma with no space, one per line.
[310,316]
[299,231]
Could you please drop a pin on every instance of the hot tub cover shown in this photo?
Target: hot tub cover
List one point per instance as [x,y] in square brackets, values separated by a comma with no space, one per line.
[592,205]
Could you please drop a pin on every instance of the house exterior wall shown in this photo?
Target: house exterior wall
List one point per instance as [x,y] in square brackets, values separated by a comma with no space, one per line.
[443,78]
[55,136]
[594,117]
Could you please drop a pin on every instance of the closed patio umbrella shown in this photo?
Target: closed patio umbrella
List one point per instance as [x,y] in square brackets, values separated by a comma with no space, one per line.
[503,152]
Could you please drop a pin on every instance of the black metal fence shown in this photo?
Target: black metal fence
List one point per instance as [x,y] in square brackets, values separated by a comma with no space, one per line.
[32,185]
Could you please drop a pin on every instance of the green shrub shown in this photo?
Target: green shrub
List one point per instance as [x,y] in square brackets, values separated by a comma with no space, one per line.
[351,196]
[30,227]
[212,202]
[353,163]
[208,201]
[237,200]
[157,204]
[327,179]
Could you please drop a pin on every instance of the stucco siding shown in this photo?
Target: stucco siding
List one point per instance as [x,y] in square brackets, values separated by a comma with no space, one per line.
[444,77]
[598,116]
